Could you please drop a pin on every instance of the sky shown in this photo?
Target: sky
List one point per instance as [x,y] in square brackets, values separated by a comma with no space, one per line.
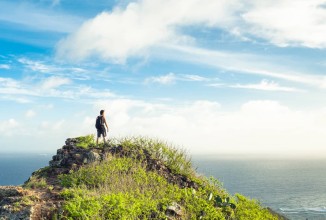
[244,77]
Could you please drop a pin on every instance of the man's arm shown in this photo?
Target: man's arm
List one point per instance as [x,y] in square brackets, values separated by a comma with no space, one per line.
[107,128]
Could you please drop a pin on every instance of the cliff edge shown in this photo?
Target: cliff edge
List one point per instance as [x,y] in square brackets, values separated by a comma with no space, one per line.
[131,178]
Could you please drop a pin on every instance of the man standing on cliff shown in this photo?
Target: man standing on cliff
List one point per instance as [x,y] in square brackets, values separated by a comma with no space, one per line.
[99,124]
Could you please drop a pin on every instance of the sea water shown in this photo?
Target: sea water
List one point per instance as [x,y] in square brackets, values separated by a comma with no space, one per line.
[294,188]
[15,169]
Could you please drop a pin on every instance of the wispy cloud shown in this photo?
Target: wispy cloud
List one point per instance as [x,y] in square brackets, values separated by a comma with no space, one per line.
[37,66]
[4,66]
[19,91]
[54,82]
[266,86]
[243,63]
[196,78]
[34,18]
[172,78]
[60,70]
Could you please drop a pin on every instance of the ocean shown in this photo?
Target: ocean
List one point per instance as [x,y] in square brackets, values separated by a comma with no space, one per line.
[294,188]
[15,169]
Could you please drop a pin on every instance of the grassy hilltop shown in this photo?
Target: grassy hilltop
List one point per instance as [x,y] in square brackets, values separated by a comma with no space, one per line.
[131,178]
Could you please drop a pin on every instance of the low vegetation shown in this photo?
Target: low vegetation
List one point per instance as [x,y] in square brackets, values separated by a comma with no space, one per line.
[85,141]
[35,182]
[123,187]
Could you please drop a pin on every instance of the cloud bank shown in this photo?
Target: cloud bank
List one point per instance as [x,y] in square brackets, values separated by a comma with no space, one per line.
[131,31]
[257,127]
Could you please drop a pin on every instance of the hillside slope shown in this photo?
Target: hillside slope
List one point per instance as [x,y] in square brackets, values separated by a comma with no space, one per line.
[131,178]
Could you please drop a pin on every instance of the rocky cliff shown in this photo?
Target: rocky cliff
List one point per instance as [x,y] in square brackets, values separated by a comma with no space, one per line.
[39,197]
[44,194]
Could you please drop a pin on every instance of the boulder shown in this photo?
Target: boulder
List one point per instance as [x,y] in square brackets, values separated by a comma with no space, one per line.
[174,210]
[92,157]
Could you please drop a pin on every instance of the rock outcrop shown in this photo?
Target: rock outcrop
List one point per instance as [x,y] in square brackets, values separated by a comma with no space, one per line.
[70,156]
[43,202]
[39,198]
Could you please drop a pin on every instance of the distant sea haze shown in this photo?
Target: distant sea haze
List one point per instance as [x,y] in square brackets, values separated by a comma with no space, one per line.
[294,188]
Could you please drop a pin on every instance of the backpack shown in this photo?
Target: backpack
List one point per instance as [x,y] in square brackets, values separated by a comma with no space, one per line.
[98,123]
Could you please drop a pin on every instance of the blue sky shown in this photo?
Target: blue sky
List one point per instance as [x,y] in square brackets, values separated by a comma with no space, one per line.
[224,77]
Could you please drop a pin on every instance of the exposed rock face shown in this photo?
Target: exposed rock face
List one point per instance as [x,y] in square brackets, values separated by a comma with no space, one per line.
[72,157]
[11,205]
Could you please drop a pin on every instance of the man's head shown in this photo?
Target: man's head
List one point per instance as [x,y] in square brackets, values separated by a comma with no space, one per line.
[101,112]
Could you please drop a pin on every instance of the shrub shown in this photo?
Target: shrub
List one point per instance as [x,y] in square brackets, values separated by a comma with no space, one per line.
[174,158]
[85,141]
[35,182]
[251,209]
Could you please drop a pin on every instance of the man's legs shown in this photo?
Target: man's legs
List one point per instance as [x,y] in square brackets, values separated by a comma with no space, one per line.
[103,139]
[98,136]
[104,135]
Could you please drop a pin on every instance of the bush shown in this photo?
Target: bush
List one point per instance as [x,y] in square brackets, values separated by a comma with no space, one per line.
[34,182]
[174,158]
[85,141]
[251,209]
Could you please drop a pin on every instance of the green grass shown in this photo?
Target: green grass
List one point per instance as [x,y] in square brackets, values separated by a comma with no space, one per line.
[123,188]
[85,141]
[36,182]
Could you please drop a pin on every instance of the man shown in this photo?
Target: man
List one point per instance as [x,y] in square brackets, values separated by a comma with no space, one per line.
[100,122]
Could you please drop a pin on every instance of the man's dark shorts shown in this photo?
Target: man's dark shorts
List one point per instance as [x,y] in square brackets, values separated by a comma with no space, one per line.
[100,132]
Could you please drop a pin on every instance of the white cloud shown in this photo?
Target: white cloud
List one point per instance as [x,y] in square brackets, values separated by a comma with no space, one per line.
[257,127]
[243,63]
[131,31]
[21,100]
[37,66]
[191,77]
[169,78]
[172,78]
[51,126]
[8,82]
[4,66]
[54,82]
[9,127]
[9,86]
[287,22]
[24,91]
[35,18]
[267,86]
[30,114]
